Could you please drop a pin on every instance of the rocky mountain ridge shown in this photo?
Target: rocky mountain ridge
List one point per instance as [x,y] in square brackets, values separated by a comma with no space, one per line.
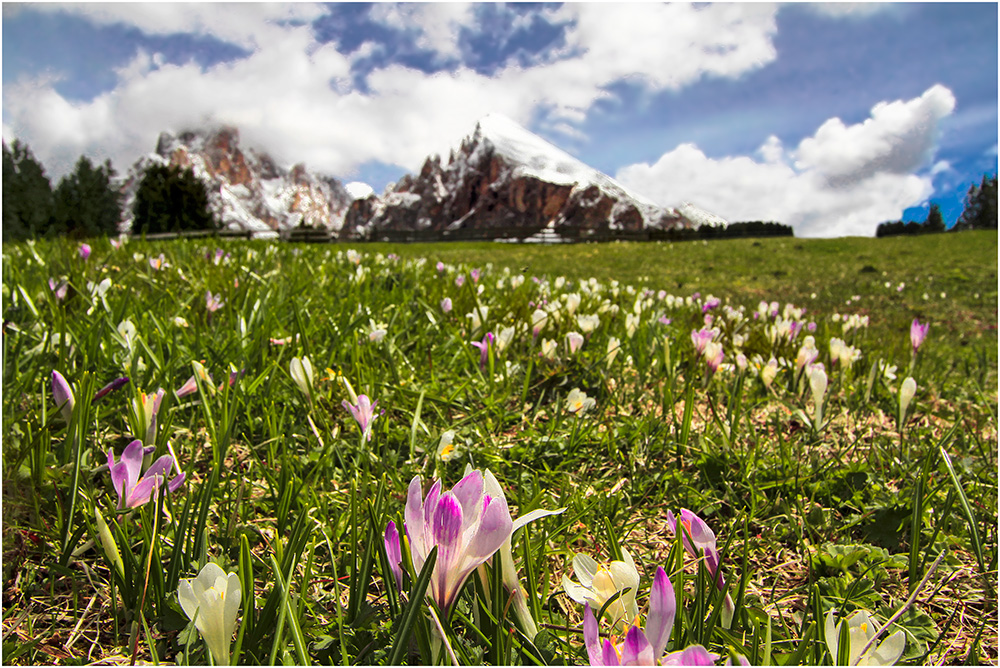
[247,190]
[504,177]
[500,179]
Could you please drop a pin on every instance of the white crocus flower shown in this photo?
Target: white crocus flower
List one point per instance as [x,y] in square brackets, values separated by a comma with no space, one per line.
[572,302]
[614,347]
[599,582]
[376,331]
[817,383]
[631,324]
[549,348]
[861,629]
[539,319]
[906,391]
[446,447]
[578,402]
[302,373]
[588,323]
[503,339]
[212,600]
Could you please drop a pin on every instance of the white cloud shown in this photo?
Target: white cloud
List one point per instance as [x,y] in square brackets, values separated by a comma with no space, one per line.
[898,138]
[293,96]
[250,25]
[438,24]
[842,181]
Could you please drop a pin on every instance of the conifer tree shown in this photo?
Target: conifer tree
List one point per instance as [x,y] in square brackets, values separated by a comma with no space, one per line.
[170,199]
[86,202]
[27,194]
[980,206]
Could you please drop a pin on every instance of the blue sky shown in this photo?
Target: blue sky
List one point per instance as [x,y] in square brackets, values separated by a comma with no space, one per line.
[828,117]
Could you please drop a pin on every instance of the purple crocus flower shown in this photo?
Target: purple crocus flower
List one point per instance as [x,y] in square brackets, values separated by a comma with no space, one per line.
[710,303]
[918,333]
[699,541]
[84,251]
[700,337]
[460,280]
[364,413]
[446,304]
[63,395]
[474,274]
[645,647]
[484,349]
[466,524]
[116,384]
[134,491]
[394,553]
[440,267]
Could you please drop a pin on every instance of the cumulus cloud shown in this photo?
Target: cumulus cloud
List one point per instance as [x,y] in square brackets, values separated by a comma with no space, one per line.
[294,96]
[249,25]
[842,181]
[437,25]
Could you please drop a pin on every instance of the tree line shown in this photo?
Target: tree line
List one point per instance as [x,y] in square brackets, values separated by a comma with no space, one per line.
[87,202]
[980,213]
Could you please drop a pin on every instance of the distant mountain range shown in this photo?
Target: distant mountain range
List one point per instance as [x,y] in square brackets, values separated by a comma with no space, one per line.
[501,177]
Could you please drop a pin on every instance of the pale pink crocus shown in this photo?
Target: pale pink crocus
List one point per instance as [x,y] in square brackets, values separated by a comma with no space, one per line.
[364,414]
[918,333]
[158,263]
[713,355]
[213,302]
[84,251]
[460,280]
[58,289]
[440,267]
[62,393]
[466,524]
[446,305]
[133,490]
[574,340]
[700,338]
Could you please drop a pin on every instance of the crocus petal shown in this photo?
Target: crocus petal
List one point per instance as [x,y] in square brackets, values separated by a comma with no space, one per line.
[888,651]
[469,492]
[394,554]
[160,467]
[189,387]
[609,657]
[662,610]
[494,528]
[63,395]
[636,650]
[132,459]
[143,490]
[695,655]
[585,568]
[176,483]
[447,579]
[414,514]
[116,384]
[591,636]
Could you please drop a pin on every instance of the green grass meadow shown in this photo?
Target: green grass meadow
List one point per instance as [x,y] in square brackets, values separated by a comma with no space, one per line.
[755,383]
